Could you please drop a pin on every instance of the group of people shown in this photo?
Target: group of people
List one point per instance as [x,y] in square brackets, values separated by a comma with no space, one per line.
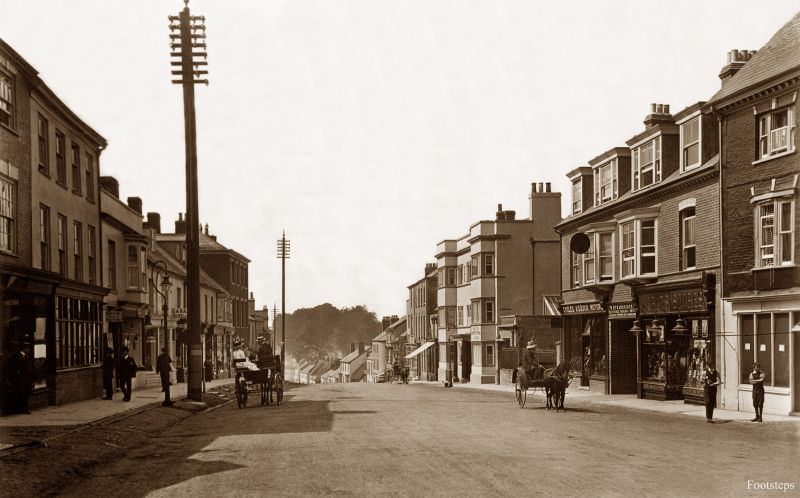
[251,362]
[712,380]
[126,371]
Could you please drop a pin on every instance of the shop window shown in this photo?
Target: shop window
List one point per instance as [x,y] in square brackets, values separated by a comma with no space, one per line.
[78,332]
[764,339]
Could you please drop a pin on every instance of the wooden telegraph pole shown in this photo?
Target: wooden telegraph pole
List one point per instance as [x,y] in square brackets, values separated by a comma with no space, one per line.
[284,247]
[187,41]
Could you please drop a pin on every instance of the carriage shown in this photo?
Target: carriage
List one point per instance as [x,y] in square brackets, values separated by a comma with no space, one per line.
[266,382]
[552,382]
[397,372]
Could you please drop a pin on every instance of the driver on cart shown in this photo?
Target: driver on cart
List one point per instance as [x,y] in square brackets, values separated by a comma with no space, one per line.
[530,362]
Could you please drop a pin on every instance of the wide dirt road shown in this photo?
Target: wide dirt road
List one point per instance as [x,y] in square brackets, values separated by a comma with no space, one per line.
[424,440]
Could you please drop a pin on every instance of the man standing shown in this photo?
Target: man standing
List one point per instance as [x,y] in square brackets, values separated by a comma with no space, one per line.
[126,370]
[108,373]
[757,380]
[163,368]
[710,382]
[19,380]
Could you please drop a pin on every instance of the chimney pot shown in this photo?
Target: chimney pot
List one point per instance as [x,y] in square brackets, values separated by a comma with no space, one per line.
[652,108]
[541,187]
[180,216]
[499,207]
[110,184]
[206,229]
[666,108]
[547,187]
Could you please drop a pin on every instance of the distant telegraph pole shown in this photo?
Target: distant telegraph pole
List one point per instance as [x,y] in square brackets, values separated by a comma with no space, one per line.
[274,327]
[284,248]
[187,41]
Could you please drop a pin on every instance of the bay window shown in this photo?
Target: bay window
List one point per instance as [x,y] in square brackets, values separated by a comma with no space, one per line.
[596,265]
[646,160]
[488,316]
[588,263]
[488,264]
[575,276]
[638,248]
[605,257]
[774,233]
[775,133]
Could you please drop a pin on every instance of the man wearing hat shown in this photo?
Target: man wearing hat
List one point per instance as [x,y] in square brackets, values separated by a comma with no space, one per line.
[530,361]
[19,379]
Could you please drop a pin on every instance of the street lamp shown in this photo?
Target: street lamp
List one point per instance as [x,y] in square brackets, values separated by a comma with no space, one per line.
[160,268]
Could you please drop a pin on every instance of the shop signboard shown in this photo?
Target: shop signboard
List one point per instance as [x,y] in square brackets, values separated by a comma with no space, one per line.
[113,316]
[673,301]
[622,310]
[583,308]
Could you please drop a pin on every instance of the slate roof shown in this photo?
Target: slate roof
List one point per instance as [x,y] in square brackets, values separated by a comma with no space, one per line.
[779,55]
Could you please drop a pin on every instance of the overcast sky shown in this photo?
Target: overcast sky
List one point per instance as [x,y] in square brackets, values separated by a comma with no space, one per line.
[370,130]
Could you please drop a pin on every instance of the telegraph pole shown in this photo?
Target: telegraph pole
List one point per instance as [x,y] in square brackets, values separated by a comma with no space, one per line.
[274,327]
[284,247]
[187,34]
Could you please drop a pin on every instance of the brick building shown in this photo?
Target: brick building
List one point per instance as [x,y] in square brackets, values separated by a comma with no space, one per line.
[757,108]
[423,361]
[640,255]
[498,266]
[49,231]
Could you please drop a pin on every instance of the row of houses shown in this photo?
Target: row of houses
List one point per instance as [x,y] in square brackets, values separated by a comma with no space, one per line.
[679,251]
[81,269]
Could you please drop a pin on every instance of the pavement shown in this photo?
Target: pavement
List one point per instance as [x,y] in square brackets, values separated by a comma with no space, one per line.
[97,410]
[630,401]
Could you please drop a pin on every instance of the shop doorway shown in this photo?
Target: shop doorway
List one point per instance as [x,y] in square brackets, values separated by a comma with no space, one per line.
[466,361]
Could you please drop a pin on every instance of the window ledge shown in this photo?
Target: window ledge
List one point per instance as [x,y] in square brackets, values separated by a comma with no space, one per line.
[5,252]
[8,129]
[639,279]
[772,268]
[774,156]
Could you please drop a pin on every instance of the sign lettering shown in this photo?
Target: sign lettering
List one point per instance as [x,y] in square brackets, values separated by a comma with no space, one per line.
[673,301]
[582,309]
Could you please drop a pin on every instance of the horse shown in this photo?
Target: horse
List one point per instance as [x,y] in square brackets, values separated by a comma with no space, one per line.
[553,381]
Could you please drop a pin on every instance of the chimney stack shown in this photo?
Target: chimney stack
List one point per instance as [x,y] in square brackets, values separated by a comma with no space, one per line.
[735,60]
[180,225]
[360,348]
[135,203]
[110,184]
[206,229]
[154,221]
[429,267]
[659,113]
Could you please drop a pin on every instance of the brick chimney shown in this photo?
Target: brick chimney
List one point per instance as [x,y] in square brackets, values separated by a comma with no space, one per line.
[429,267]
[180,225]
[110,185]
[360,348]
[545,205]
[154,221]
[736,59]
[659,113]
[135,203]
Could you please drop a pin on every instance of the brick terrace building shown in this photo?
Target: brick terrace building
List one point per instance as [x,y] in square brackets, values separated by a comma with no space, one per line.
[49,232]
[757,108]
[422,360]
[646,216]
[499,266]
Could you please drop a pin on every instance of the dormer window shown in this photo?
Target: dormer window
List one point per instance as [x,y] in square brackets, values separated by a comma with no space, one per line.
[605,182]
[690,144]
[577,195]
[647,164]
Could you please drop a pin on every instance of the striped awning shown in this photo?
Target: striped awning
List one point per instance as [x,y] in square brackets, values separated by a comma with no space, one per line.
[419,350]
[552,305]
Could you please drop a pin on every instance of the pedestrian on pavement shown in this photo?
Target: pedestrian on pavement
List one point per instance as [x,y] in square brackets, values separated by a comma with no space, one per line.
[108,373]
[19,379]
[163,368]
[710,382]
[126,370]
[757,380]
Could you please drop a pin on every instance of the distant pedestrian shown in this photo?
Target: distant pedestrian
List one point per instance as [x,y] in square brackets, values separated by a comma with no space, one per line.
[710,382]
[163,368]
[19,379]
[108,373]
[757,380]
[126,371]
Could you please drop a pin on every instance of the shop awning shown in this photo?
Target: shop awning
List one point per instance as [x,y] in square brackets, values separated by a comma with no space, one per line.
[419,350]
[552,305]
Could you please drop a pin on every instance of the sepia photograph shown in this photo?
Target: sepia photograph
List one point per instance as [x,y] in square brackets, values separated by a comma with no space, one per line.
[213,217]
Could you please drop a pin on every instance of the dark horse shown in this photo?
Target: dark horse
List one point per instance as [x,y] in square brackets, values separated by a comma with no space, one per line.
[553,381]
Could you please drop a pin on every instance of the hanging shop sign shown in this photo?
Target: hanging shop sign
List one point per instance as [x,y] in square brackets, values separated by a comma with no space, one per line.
[622,310]
[583,308]
[673,301]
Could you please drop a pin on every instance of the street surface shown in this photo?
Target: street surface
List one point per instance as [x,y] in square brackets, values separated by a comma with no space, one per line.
[425,440]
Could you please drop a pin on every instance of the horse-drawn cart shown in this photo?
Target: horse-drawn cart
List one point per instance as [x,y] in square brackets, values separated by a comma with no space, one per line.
[266,382]
[552,382]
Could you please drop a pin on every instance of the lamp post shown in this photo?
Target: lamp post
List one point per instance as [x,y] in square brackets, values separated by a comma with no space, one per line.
[160,268]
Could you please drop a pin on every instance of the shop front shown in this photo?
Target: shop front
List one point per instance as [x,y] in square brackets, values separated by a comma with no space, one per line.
[675,337]
[585,343]
[622,372]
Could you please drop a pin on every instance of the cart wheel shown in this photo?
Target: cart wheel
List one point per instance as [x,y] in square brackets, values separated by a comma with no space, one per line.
[241,397]
[520,394]
[279,396]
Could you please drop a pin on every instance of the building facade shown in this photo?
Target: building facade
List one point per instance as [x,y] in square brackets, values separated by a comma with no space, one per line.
[499,266]
[640,259]
[49,232]
[757,109]
[422,360]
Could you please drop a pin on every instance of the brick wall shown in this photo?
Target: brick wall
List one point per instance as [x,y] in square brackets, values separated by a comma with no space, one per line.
[739,174]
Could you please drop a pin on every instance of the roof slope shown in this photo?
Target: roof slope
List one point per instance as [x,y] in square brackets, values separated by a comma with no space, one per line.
[780,54]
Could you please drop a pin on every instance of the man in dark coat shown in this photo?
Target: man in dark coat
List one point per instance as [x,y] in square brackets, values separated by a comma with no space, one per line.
[163,368]
[108,373]
[710,383]
[126,370]
[20,382]
[265,356]
[530,361]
